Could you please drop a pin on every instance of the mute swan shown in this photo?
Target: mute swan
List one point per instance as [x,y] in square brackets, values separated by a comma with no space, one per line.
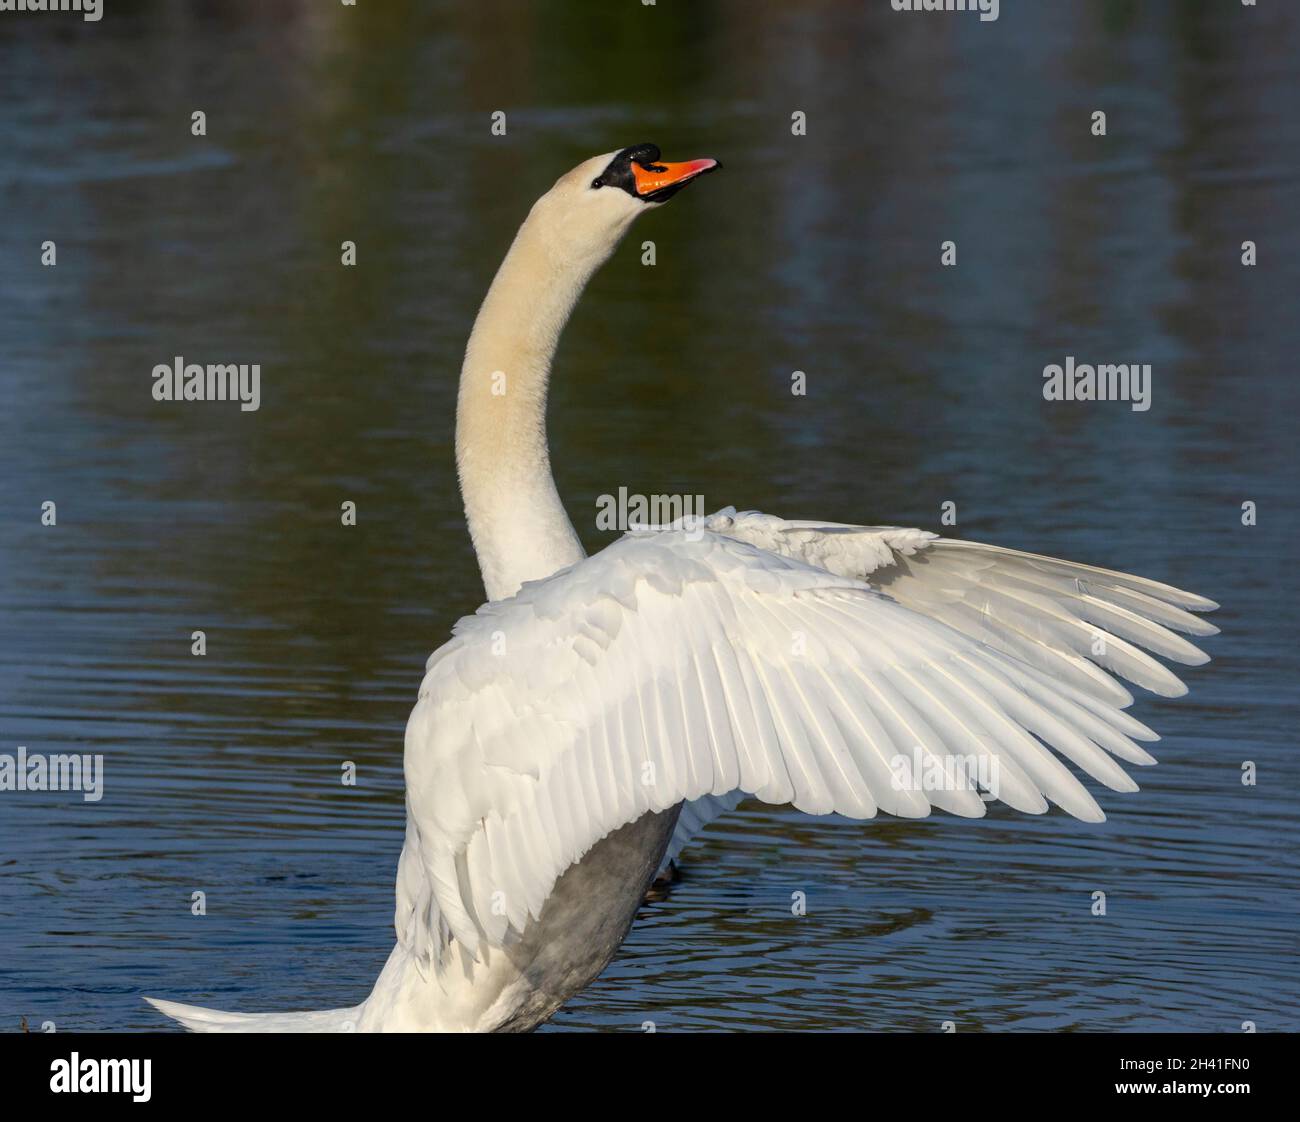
[598,710]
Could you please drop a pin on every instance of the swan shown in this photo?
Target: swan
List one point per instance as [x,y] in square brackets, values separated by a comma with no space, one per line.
[596,711]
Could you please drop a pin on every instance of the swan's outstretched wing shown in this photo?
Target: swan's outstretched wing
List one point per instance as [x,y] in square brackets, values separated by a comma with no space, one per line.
[1068,618]
[686,663]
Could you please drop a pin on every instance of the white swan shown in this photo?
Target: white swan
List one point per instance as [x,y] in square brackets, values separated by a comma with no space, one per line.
[559,733]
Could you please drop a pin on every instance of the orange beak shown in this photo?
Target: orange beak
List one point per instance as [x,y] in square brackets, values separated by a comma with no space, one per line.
[654,178]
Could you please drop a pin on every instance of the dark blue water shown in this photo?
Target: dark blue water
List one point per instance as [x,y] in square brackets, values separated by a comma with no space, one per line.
[816,253]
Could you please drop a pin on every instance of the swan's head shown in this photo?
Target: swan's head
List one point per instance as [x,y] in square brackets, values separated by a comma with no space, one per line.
[590,208]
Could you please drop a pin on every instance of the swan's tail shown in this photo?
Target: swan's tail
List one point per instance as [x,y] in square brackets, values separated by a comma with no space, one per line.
[197,1019]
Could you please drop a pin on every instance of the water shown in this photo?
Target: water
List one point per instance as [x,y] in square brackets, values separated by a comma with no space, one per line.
[816,253]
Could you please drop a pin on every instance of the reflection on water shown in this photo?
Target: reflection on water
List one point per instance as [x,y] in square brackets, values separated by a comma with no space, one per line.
[816,253]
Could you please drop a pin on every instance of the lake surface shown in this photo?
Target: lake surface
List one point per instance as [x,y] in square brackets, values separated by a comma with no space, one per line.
[817,253]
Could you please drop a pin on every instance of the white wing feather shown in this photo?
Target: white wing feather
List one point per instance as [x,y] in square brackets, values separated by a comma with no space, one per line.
[751,656]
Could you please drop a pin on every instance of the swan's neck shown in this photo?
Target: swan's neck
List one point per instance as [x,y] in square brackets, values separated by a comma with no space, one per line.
[515,516]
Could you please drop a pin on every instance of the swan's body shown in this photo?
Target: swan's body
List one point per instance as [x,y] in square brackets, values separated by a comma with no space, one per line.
[597,711]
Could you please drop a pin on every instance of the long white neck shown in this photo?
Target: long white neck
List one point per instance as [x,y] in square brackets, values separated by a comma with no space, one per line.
[516,519]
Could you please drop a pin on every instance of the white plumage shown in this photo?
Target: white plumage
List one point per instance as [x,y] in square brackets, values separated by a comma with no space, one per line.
[597,711]
[790,661]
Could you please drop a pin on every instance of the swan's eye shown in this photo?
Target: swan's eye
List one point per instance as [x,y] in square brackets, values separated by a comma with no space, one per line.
[597,182]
